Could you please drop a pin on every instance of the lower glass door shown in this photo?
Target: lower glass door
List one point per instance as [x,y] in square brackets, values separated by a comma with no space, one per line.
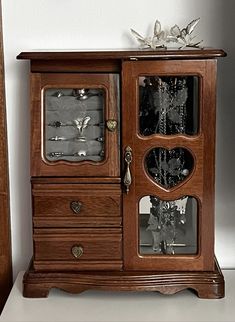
[167,227]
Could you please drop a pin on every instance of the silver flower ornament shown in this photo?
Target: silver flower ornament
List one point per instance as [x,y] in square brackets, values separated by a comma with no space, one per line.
[161,39]
[184,36]
[157,41]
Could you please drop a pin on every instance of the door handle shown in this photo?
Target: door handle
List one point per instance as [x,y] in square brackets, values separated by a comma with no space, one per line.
[128,159]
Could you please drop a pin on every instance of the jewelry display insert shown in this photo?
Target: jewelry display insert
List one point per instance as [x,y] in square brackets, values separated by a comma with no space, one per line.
[74,124]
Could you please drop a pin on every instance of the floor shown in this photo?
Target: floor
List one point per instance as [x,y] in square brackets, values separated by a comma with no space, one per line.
[97,306]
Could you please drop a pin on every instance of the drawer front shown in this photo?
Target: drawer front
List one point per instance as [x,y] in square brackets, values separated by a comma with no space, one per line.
[77,249]
[70,205]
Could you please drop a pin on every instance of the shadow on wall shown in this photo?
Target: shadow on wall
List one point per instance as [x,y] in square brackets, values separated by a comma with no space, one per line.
[226,106]
[225,152]
[21,218]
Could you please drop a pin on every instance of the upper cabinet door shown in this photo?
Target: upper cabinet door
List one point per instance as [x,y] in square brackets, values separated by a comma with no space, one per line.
[168,164]
[75,125]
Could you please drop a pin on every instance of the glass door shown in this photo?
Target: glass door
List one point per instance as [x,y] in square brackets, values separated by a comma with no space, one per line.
[168,105]
[164,214]
[76,128]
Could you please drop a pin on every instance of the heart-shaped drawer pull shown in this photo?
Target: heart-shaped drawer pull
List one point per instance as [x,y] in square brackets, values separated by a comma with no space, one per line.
[76,206]
[77,251]
[111,125]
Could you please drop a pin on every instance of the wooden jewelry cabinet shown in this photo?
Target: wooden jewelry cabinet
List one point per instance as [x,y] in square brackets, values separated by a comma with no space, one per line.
[122,171]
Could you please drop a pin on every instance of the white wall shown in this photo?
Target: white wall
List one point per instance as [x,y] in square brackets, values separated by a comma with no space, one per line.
[57,24]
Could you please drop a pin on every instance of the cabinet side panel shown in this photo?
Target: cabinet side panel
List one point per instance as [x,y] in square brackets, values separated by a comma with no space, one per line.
[35,97]
[208,128]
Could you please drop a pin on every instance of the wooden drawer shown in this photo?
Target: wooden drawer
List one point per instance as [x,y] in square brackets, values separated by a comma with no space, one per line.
[77,249]
[76,205]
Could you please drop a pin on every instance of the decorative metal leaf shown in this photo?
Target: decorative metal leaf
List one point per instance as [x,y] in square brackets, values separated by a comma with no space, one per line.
[170,38]
[175,31]
[162,35]
[183,32]
[149,42]
[85,122]
[138,36]
[190,27]
[157,28]
[181,40]
[197,43]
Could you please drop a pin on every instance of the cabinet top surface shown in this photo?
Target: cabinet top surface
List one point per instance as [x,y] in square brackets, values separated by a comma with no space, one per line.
[120,54]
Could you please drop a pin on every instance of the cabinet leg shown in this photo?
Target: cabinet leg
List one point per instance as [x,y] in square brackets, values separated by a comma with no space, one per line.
[210,291]
[207,285]
[36,291]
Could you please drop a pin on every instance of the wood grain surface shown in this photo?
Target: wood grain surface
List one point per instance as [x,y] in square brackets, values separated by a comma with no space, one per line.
[107,226]
[123,54]
[208,285]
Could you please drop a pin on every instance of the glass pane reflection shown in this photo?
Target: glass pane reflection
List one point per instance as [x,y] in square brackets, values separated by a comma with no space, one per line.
[74,124]
[167,227]
[169,167]
[168,105]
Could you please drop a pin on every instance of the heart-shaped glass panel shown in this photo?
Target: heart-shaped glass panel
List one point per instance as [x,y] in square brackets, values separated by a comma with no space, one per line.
[169,167]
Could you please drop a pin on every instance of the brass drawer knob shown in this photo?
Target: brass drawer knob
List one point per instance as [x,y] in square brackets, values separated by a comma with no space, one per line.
[76,206]
[77,251]
[111,125]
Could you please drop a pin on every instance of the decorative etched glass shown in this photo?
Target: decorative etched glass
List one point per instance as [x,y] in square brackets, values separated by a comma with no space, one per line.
[169,167]
[74,124]
[168,227]
[168,105]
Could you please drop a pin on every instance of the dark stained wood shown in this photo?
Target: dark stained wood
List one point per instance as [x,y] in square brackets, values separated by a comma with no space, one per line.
[199,184]
[98,201]
[58,248]
[40,166]
[95,265]
[84,65]
[208,285]
[79,180]
[53,248]
[124,54]
[74,231]
[5,240]
[70,186]
[100,204]
[59,205]
[98,221]
[107,224]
